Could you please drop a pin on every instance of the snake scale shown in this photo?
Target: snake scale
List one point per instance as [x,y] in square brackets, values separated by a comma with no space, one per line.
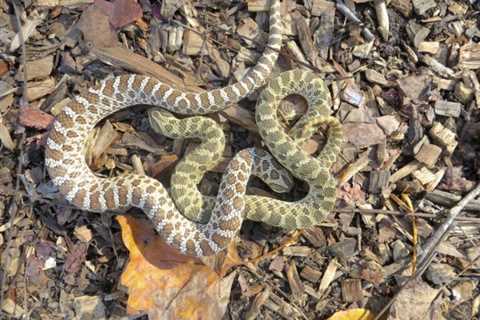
[66,165]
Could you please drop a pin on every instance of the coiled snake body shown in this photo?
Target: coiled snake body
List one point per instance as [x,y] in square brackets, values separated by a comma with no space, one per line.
[65,152]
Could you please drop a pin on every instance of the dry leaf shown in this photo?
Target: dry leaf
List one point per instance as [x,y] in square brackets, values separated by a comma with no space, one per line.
[353,314]
[120,12]
[96,28]
[166,284]
[414,302]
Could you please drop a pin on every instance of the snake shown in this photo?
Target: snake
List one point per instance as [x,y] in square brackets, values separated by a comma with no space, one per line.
[286,147]
[69,172]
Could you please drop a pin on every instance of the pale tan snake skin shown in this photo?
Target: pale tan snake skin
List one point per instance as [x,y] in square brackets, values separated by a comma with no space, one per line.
[65,153]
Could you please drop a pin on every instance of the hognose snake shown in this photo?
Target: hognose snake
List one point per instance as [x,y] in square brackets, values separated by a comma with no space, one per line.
[65,153]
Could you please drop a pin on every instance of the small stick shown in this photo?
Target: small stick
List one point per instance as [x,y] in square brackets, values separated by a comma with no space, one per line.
[428,251]
[401,213]
[23,100]
[444,229]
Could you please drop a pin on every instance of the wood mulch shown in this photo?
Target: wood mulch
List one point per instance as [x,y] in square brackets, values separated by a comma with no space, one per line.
[404,77]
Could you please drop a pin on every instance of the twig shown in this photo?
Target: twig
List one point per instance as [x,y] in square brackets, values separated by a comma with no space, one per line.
[23,56]
[401,213]
[428,252]
[444,229]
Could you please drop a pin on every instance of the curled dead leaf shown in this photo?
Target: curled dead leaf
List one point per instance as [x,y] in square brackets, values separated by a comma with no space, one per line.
[166,284]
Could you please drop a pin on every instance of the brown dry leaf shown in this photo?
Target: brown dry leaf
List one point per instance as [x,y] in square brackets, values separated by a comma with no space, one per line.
[353,314]
[120,12]
[414,302]
[166,284]
[96,28]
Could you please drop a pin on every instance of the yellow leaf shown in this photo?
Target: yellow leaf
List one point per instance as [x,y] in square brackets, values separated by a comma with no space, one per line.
[353,314]
[166,284]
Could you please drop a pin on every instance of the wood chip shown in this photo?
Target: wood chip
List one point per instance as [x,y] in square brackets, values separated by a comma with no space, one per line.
[444,137]
[429,47]
[258,5]
[405,7]
[470,56]
[378,181]
[323,36]
[448,108]
[388,123]
[297,251]
[34,118]
[166,161]
[352,290]
[414,86]
[363,134]
[192,43]
[250,32]
[294,281]
[38,89]
[424,175]
[257,303]
[306,40]
[40,68]
[105,138]
[376,77]
[422,6]
[428,154]
[328,276]
[83,233]
[405,171]
[438,176]
[310,274]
